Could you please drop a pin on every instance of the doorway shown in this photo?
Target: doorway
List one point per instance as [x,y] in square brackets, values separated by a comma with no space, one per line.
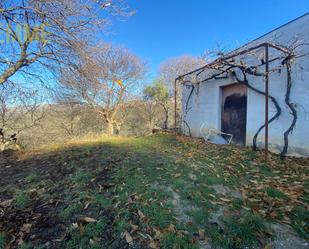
[234,112]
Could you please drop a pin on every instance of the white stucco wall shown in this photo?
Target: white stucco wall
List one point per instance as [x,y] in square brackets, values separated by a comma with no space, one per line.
[205,103]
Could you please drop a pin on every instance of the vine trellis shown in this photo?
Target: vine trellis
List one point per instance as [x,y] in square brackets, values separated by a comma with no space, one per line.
[236,65]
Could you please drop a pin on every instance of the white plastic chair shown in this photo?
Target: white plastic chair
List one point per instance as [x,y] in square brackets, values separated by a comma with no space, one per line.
[207,132]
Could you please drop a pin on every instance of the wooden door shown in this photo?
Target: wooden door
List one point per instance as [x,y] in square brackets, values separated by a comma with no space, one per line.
[234,112]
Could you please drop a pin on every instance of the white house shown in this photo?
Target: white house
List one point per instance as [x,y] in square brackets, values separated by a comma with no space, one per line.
[229,93]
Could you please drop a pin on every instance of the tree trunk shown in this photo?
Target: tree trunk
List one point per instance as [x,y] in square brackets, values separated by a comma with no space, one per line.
[166,119]
[166,116]
[110,128]
[118,127]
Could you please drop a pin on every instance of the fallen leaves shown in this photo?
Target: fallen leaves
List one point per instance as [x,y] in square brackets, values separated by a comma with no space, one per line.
[128,238]
[87,219]
[201,234]
[193,164]
[225,199]
[140,214]
[134,228]
[176,175]
[6,203]
[153,245]
[26,228]
[171,228]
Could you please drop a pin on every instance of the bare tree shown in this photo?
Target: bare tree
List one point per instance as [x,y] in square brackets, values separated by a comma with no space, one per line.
[173,67]
[149,112]
[47,31]
[103,78]
[170,69]
[20,109]
[71,113]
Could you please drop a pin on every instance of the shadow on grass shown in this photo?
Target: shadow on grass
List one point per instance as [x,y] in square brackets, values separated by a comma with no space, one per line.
[44,194]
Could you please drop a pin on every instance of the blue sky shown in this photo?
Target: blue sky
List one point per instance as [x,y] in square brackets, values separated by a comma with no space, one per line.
[167,28]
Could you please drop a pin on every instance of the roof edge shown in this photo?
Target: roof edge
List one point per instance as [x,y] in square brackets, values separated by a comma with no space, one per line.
[269,32]
[246,44]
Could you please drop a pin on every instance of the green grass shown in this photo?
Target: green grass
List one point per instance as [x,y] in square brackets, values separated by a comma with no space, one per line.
[88,239]
[243,231]
[274,193]
[22,200]
[100,201]
[156,180]
[159,216]
[72,209]
[237,204]
[82,176]
[95,229]
[305,196]
[199,216]
[211,180]
[31,178]
[79,241]
[10,189]
[30,246]
[121,225]
[300,221]
[174,241]
[266,170]
[2,240]
[239,231]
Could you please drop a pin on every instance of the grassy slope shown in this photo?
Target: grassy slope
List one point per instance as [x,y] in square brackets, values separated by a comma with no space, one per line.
[155,190]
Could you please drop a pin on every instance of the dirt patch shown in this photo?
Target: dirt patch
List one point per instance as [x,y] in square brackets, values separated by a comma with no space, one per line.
[216,218]
[180,206]
[286,238]
[220,189]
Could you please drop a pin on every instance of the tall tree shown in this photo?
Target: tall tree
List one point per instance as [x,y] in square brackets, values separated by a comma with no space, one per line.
[103,78]
[170,69]
[21,109]
[42,32]
[157,94]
